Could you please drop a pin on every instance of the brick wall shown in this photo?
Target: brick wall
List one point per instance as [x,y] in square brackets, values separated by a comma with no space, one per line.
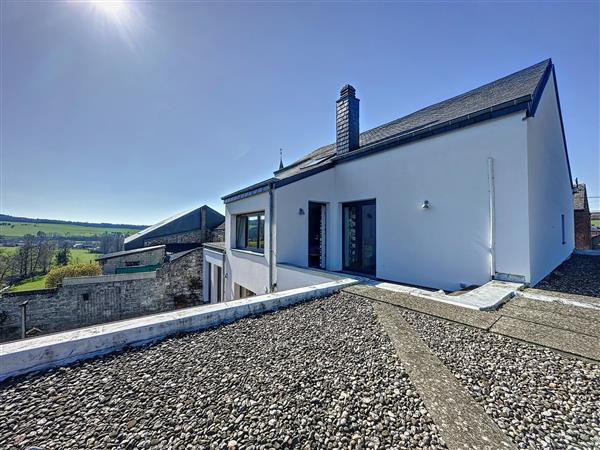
[582,230]
[85,301]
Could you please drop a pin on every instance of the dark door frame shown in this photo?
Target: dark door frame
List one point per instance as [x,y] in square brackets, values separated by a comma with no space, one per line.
[358,203]
[322,205]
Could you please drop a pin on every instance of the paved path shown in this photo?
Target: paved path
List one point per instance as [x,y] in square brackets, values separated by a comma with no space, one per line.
[462,422]
[561,327]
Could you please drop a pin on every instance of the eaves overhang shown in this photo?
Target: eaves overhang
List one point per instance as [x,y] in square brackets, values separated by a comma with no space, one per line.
[249,191]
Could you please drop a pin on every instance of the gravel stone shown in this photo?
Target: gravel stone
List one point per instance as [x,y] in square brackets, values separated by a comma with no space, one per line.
[319,375]
[579,275]
[541,399]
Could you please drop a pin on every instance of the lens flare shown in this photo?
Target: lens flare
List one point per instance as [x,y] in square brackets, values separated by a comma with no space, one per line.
[115,10]
[117,16]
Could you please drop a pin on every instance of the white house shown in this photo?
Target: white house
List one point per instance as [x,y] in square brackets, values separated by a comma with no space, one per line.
[474,188]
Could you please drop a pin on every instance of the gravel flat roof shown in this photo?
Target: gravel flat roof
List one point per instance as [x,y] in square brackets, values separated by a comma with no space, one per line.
[323,374]
[577,276]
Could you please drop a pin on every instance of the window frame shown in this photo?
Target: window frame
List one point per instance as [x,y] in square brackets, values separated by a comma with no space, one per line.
[260,216]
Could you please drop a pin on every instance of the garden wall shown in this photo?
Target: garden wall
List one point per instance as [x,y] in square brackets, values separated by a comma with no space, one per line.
[85,301]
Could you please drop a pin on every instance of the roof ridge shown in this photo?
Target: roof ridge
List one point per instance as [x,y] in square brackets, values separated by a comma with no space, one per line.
[313,153]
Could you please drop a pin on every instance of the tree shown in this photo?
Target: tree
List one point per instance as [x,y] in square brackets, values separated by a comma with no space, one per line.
[63,255]
[5,267]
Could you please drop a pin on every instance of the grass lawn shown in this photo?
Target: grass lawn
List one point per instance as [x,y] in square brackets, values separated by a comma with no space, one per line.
[596,222]
[8,250]
[19,229]
[30,285]
[82,256]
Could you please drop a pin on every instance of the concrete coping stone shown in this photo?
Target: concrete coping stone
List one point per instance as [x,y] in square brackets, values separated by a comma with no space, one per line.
[72,281]
[54,350]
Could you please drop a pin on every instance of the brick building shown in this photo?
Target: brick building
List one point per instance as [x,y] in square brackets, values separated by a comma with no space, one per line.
[583,223]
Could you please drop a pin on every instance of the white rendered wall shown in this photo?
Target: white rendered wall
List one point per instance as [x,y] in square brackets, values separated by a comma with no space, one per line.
[215,259]
[550,193]
[444,246]
[290,277]
[248,269]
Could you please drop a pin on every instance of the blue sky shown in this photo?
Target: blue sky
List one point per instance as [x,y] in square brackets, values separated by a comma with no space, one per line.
[166,106]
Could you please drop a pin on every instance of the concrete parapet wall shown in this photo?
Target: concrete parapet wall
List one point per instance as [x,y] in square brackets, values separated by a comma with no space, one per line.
[21,357]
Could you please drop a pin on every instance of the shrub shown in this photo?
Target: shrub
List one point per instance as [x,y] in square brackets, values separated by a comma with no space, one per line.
[56,275]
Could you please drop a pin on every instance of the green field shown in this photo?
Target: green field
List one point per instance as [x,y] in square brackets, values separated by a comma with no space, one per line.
[78,256]
[30,285]
[20,229]
[596,222]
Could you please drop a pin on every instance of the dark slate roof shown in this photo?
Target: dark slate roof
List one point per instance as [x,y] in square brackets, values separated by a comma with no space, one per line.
[580,202]
[516,92]
[129,252]
[179,223]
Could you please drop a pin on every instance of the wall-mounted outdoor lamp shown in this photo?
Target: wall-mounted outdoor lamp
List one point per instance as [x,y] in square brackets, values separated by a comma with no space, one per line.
[301,212]
[426,204]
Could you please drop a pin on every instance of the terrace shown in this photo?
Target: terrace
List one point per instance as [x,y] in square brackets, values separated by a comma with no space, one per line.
[361,368]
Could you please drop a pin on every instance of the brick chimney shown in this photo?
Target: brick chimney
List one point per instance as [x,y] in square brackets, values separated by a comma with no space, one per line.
[346,121]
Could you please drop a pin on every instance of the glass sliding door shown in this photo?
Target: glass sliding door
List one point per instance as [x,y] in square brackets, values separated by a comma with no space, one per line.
[359,240]
[316,235]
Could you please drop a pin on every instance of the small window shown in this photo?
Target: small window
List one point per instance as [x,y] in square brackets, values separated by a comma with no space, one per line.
[250,232]
[562,227]
[85,296]
[132,263]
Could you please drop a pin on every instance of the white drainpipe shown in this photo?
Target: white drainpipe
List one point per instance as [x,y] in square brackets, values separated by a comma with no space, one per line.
[271,249]
[492,216]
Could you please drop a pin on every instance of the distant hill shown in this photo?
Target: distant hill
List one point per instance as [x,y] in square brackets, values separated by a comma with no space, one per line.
[12,227]
[9,218]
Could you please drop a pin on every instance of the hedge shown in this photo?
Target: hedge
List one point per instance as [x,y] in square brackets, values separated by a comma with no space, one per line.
[56,275]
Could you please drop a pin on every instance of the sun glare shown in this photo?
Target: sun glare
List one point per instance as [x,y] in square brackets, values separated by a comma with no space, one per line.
[113,9]
[120,16]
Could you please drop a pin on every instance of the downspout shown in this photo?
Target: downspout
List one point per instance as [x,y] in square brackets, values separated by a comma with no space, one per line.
[223,276]
[271,250]
[492,216]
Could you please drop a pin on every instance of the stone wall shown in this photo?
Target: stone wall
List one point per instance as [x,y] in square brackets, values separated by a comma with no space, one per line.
[187,237]
[134,259]
[86,301]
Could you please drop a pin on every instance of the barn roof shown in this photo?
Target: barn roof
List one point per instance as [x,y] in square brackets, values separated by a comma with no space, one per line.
[179,223]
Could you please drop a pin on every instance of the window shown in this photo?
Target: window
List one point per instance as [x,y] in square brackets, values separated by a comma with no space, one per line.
[132,263]
[562,225]
[250,232]
[85,296]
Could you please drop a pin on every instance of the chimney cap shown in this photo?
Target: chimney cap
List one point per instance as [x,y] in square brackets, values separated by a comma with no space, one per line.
[347,91]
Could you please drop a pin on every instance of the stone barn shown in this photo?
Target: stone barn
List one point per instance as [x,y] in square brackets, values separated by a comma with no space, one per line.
[180,232]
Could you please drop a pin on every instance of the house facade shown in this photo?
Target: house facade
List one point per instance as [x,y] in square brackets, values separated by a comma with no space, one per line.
[488,167]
